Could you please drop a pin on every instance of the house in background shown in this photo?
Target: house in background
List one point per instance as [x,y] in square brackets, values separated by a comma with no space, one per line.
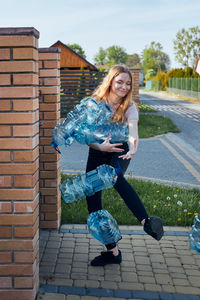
[197,65]
[71,60]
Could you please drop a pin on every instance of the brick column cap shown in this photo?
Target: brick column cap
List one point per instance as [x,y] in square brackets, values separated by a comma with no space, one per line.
[19,31]
[49,50]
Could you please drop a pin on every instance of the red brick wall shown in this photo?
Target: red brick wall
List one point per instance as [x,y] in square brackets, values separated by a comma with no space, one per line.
[19,163]
[49,62]
[135,74]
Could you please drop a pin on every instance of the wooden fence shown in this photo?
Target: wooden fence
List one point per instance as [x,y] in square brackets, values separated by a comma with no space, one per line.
[76,85]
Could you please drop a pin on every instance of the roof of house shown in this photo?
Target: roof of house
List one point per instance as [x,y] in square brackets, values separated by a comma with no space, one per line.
[71,59]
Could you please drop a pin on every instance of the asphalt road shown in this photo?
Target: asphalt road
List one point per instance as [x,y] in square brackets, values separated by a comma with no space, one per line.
[170,159]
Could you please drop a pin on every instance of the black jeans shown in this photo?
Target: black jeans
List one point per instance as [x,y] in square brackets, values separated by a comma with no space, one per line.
[126,191]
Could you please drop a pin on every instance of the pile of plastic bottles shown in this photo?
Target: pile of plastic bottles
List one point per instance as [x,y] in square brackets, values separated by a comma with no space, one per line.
[89,123]
[103,227]
[103,177]
[194,236]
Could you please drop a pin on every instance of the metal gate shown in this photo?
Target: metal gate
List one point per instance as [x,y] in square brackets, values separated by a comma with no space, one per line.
[76,85]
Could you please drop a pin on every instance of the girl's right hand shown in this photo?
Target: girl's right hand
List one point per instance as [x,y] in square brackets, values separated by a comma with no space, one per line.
[106,146]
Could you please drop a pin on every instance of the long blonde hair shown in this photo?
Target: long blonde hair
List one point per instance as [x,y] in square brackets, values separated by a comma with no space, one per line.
[102,91]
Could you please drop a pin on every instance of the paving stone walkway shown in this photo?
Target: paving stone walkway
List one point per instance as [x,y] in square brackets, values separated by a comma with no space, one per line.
[150,270]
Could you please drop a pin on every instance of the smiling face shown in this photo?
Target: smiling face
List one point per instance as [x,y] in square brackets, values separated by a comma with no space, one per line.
[121,85]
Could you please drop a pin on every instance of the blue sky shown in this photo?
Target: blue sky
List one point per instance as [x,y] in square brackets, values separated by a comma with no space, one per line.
[131,24]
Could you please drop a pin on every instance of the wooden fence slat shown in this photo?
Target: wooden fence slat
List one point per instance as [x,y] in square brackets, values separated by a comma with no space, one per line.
[76,85]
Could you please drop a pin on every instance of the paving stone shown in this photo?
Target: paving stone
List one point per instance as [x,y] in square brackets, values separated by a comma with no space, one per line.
[53,244]
[61,282]
[163,279]
[95,270]
[129,277]
[180,281]
[49,257]
[142,260]
[172,262]
[146,279]
[81,250]
[194,280]
[108,285]
[73,297]
[187,290]
[192,272]
[80,257]
[187,260]
[176,270]
[159,265]
[63,268]
[143,267]
[89,298]
[145,273]
[178,275]
[152,287]
[50,296]
[128,263]
[78,276]
[80,264]
[157,258]
[160,271]
[128,269]
[95,277]
[79,270]
[112,277]
[51,251]
[130,286]
[167,288]
[47,269]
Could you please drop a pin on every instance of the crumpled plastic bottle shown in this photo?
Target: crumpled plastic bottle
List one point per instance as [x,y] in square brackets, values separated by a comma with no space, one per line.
[88,123]
[194,236]
[103,177]
[103,227]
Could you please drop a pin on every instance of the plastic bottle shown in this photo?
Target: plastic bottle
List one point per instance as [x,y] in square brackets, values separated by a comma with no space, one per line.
[88,123]
[194,236]
[103,227]
[103,177]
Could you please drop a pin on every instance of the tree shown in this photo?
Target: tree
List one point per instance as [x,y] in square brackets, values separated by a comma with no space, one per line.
[154,58]
[187,46]
[100,57]
[116,55]
[133,60]
[78,49]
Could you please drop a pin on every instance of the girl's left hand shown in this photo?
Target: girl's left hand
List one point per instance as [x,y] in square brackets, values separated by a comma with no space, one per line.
[128,155]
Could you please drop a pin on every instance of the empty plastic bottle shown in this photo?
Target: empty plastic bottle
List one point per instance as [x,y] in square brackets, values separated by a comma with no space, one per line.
[103,227]
[103,177]
[194,236]
[88,123]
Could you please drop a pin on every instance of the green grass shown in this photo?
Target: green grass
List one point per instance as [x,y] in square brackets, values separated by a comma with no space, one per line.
[146,108]
[158,199]
[151,125]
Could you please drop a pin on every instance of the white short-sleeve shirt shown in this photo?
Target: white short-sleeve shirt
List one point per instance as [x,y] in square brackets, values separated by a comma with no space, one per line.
[132,112]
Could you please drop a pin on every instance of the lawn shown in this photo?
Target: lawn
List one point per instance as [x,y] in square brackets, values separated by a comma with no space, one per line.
[175,205]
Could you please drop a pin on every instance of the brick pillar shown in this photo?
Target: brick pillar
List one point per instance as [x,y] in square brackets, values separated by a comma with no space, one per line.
[135,73]
[49,64]
[19,163]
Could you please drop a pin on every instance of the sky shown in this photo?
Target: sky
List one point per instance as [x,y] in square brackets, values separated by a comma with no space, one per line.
[131,24]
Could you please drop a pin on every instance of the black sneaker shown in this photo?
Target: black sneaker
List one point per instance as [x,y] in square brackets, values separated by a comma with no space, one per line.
[153,226]
[107,258]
